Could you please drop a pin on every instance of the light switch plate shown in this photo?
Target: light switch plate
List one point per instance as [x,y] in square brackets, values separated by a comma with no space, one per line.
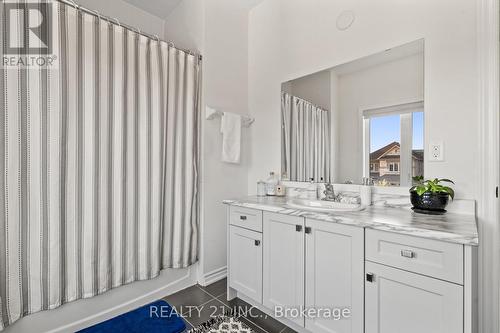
[436,151]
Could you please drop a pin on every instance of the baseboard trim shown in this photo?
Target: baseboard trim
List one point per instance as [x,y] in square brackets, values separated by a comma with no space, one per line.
[213,276]
[170,288]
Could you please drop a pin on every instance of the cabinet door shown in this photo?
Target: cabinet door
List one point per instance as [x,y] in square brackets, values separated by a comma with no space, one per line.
[334,276]
[284,265]
[245,260]
[399,301]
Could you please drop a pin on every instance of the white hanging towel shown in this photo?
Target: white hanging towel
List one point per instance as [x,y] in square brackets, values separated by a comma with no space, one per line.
[230,128]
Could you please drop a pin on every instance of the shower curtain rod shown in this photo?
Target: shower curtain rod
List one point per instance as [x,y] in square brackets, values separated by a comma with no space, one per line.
[128,27]
[305,100]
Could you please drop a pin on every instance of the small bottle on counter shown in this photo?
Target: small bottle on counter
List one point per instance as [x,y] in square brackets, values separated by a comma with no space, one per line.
[271,184]
[261,188]
[320,189]
[365,192]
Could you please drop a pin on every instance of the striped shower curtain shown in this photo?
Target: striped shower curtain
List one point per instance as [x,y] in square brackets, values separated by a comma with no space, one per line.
[98,163]
[305,140]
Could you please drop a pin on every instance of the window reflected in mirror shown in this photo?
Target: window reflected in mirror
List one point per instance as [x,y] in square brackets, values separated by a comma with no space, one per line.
[395,144]
[418,145]
[385,138]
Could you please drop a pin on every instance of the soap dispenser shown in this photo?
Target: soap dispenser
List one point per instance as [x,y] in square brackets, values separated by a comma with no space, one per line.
[320,189]
[271,184]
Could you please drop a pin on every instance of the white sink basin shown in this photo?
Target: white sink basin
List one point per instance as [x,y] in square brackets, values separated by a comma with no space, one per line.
[324,206]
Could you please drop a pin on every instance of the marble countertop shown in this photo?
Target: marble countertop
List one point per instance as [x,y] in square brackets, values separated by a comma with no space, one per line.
[450,227]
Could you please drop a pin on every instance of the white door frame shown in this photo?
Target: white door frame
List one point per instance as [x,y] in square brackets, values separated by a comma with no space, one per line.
[488,164]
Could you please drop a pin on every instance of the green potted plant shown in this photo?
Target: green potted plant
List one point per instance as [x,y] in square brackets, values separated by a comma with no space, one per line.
[431,195]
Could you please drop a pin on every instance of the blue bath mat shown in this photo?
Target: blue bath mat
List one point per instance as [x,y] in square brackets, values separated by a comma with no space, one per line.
[152,318]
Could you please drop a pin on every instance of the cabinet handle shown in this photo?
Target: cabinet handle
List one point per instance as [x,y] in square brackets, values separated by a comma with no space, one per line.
[308,230]
[370,277]
[298,228]
[243,217]
[408,254]
[257,242]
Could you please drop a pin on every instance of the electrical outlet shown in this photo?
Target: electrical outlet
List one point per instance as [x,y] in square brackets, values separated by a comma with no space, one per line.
[436,151]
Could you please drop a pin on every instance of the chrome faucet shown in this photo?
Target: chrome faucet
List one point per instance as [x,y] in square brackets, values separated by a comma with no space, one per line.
[329,193]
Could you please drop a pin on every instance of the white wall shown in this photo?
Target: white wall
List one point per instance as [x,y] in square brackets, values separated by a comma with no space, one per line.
[126,13]
[314,88]
[225,88]
[223,41]
[391,83]
[264,102]
[334,126]
[185,25]
[292,38]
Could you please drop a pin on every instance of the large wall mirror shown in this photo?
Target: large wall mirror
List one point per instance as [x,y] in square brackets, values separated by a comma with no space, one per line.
[362,119]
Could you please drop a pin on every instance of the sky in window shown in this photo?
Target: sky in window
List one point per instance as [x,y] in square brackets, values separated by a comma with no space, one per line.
[418,130]
[386,129]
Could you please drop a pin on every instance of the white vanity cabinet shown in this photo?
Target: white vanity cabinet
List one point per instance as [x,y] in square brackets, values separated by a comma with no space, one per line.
[389,282]
[416,285]
[246,262]
[399,301]
[314,265]
[245,252]
[283,282]
[334,275]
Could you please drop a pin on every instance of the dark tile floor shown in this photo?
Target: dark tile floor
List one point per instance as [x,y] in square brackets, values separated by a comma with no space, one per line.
[198,304]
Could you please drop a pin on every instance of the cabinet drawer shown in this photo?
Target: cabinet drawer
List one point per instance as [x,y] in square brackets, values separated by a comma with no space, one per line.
[424,256]
[246,218]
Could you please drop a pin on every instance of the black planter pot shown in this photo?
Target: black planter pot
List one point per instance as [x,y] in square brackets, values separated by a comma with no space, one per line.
[429,201]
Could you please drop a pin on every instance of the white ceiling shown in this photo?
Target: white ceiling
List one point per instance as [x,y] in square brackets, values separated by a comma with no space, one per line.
[162,8]
[386,56]
[392,54]
[159,8]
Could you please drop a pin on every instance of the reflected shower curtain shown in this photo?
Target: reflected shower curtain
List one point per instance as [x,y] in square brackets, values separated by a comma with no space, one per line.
[305,130]
[99,164]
